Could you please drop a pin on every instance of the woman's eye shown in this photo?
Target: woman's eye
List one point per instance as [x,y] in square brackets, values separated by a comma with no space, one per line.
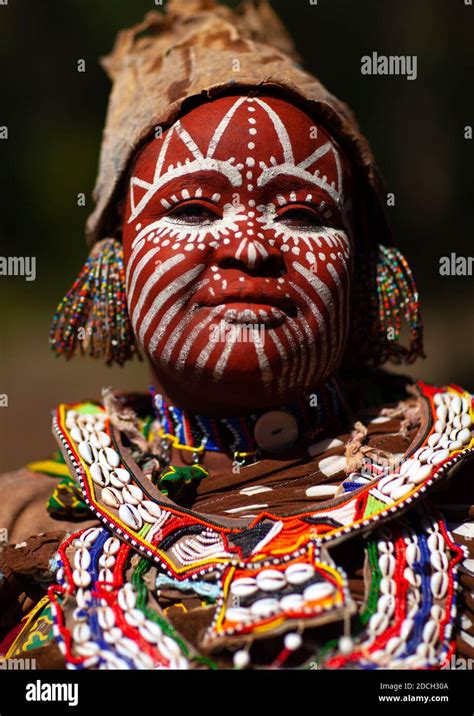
[193,214]
[300,217]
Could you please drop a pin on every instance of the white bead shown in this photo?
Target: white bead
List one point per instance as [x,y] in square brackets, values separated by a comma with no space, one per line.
[293,641]
[241,659]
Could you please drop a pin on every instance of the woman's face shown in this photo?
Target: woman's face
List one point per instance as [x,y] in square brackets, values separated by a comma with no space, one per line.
[239,253]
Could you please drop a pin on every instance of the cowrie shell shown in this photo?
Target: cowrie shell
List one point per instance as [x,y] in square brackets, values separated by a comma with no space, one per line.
[412,578]
[387,585]
[106,617]
[127,647]
[385,547]
[439,561]
[442,412]
[99,474]
[439,456]
[111,545]
[94,441]
[150,636]
[135,617]
[465,420]
[389,487]
[81,578]
[378,623]
[85,451]
[412,554]
[111,636]
[121,476]
[298,573]
[438,399]
[291,602]
[464,435]
[153,628]
[147,517]
[104,439]
[107,561]
[111,457]
[264,607]
[152,508]
[439,426]
[90,535]
[132,494]
[436,612]
[436,542]
[439,584]
[395,646]
[244,587]
[386,604]
[320,492]
[112,497]
[131,516]
[82,559]
[168,647]
[126,599]
[434,439]
[270,580]
[406,628]
[456,404]
[420,475]
[81,633]
[144,661]
[319,590]
[409,467]
[76,434]
[431,631]
[387,565]
[400,492]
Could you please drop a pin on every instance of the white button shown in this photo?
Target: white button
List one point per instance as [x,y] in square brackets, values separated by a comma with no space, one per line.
[275,431]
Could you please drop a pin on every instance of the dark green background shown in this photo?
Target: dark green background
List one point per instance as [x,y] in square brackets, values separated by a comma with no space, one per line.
[55,119]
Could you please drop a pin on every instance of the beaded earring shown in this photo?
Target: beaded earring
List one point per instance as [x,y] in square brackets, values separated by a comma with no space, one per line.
[397,300]
[92,318]
[385,295]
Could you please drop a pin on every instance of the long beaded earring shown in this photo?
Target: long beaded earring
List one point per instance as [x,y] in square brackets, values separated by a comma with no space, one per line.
[92,318]
[384,297]
[397,300]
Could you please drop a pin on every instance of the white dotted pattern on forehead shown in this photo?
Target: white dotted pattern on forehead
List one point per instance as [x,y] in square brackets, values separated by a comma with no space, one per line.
[236,173]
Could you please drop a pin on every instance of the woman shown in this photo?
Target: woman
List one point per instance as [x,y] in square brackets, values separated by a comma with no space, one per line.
[275,499]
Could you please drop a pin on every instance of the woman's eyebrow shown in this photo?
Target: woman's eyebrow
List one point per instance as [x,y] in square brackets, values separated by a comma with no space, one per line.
[206,179]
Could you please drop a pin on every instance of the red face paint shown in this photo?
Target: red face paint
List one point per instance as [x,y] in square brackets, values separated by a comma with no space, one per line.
[238,250]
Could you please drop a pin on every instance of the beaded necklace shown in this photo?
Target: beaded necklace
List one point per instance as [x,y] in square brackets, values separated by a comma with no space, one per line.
[235,434]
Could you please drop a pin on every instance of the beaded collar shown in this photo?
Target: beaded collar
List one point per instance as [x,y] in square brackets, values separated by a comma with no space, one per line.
[235,434]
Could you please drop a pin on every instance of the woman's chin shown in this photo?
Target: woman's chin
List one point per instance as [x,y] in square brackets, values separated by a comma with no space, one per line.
[241,389]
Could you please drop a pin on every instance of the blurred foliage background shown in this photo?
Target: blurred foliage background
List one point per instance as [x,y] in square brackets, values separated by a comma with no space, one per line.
[55,118]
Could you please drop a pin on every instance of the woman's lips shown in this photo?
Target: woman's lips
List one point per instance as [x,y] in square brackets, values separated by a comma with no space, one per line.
[269,301]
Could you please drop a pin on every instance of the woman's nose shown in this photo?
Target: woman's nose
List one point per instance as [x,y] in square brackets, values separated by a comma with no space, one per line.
[251,255]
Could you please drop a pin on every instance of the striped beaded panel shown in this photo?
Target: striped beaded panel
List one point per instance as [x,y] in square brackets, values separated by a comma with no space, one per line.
[101,619]
[411,606]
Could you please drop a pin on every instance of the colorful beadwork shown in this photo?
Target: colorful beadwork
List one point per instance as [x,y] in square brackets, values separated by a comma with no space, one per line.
[92,318]
[272,574]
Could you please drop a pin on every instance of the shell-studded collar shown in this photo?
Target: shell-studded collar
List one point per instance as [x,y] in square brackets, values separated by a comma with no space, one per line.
[96,449]
[190,545]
